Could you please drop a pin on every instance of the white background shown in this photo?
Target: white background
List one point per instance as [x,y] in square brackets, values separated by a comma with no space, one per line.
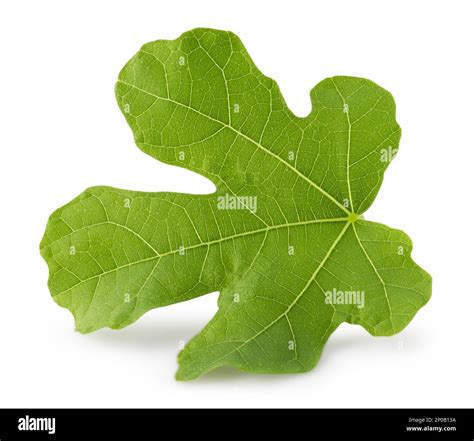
[61,131]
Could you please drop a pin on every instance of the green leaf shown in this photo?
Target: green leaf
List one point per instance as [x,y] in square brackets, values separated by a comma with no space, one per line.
[282,239]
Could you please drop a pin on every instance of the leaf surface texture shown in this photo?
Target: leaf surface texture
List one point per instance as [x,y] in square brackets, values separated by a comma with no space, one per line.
[200,103]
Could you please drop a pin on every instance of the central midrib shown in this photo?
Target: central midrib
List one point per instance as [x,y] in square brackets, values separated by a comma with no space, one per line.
[239,133]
